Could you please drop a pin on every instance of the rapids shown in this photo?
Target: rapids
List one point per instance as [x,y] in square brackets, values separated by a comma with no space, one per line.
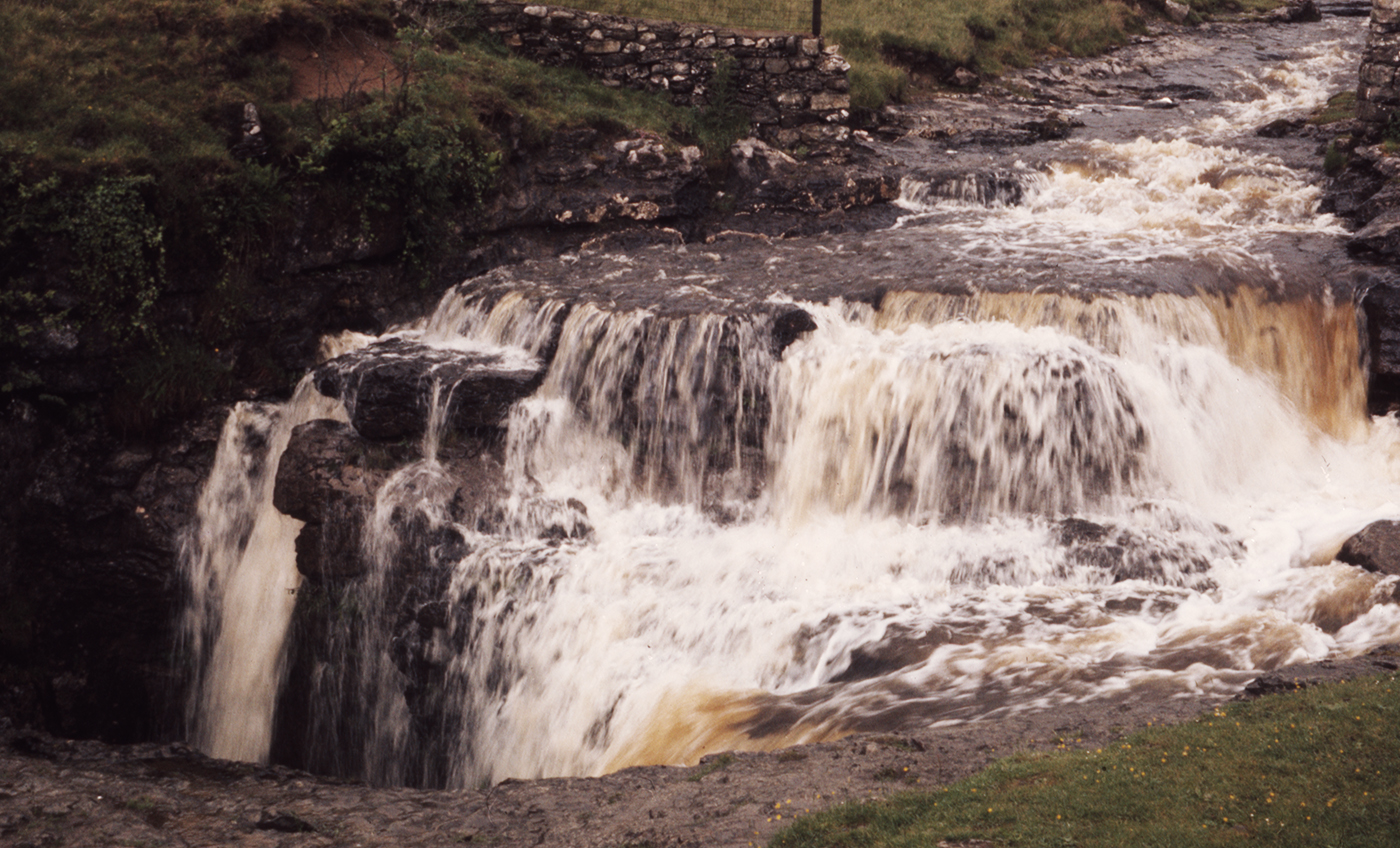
[1102,443]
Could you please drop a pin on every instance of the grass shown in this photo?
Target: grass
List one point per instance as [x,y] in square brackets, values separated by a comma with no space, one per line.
[1314,767]
[1340,107]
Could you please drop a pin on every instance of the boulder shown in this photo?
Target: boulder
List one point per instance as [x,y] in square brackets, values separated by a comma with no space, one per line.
[1375,548]
[1296,12]
[1381,235]
[1279,128]
[327,460]
[387,388]
[788,326]
[755,161]
[328,477]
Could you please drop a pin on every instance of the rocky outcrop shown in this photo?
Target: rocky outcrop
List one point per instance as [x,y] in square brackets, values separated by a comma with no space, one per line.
[1376,548]
[1380,305]
[389,388]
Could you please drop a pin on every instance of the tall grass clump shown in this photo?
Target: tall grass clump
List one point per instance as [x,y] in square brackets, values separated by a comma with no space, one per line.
[1314,767]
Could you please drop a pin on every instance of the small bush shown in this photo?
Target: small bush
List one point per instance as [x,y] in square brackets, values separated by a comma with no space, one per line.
[723,121]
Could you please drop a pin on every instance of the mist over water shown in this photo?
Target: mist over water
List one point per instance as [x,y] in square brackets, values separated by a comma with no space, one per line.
[934,508]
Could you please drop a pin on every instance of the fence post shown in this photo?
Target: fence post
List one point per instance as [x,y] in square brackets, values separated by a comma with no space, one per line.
[817,18]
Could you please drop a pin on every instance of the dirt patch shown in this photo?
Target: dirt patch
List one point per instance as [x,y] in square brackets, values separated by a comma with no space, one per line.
[344,66]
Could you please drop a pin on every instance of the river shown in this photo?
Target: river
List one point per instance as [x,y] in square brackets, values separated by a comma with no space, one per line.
[1095,439]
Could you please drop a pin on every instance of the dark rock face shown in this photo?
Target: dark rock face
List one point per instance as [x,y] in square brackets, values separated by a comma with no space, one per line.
[92,525]
[1381,307]
[327,478]
[380,547]
[1297,12]
[1375,548]
[388,387]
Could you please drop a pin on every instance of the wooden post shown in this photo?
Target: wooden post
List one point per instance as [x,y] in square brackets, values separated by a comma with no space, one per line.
[817,18]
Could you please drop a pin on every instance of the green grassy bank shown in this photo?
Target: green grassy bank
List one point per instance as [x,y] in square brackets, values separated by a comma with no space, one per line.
[1317,767]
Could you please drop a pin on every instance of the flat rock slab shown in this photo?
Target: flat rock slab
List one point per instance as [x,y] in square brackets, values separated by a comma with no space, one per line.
[388,387]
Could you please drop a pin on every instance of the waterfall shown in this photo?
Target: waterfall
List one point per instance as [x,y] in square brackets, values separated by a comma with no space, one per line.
[745,517]
[240,569]
[908,514]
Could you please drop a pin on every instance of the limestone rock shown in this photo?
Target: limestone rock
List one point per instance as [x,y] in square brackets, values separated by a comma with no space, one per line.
[1381,235]
[755,161]
[1375,548]
[388,387]
[1295,12]
[1381,306]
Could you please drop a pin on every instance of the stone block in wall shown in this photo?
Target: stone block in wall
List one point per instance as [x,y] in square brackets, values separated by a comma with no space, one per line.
[790,100]
[829,102]
[1382,46]
[1372,113]
[1377,75]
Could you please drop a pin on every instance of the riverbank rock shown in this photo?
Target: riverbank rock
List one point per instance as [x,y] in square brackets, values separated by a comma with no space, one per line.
[388,388]
[1296,12]
[1381,307]
[1376,548]
[328,477]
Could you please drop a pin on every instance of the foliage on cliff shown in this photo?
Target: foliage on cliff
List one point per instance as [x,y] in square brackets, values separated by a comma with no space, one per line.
[125,176]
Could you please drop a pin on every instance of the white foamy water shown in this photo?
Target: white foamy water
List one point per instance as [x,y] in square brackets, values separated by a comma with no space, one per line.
[884,583]
[1188,194]
[240,567]
[957,508]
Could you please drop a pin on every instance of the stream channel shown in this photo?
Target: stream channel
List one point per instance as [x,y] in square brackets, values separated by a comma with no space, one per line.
[1087,424]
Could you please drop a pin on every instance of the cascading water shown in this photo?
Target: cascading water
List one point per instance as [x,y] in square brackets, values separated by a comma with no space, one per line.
[784,520]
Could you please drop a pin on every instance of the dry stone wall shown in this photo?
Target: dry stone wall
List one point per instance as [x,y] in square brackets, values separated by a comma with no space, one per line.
[1378,95]
[794,87]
